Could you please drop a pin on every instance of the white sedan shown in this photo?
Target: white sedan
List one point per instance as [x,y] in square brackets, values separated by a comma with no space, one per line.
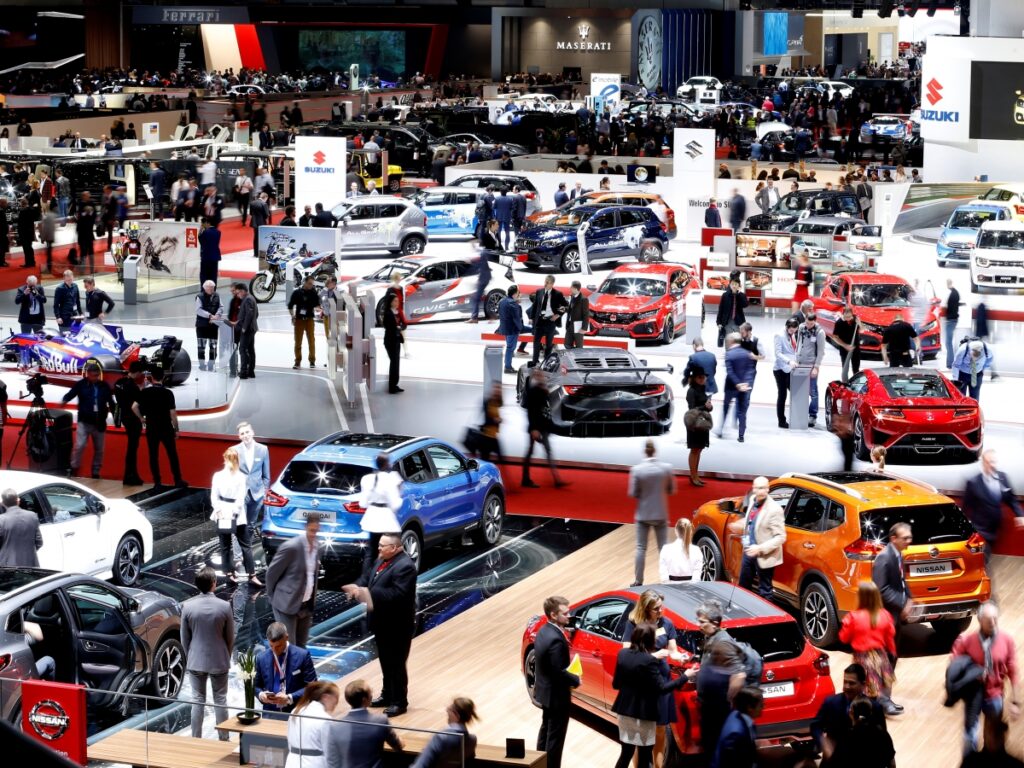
[701,83]
[84,532]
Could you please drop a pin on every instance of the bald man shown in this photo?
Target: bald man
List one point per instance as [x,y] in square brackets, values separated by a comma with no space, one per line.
[764,533]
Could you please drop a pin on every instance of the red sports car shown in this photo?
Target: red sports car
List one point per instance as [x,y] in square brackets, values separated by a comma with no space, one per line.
[643,301]
[912,412]
[795,679]
[877,300]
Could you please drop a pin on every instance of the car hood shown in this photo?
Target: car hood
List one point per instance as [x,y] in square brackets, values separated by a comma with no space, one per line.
[883,316]
[539,233]
[959,233]
[604,303]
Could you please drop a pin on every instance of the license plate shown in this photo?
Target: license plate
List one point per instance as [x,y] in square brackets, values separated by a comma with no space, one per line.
[776,690]
[930,569]
[1005,279]
[323,517]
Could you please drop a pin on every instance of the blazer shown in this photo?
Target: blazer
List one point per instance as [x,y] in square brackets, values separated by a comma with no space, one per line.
[713,218]
[207,633]
[708,363]
[25,314]
[445,749]
[766,198]
[67,301]
[579,311]
[393,591]
[984,510]
[737,744]
[257,477]
[510,317]
[561,198]
[739,368]
[887,573]
[769,531]
[650,482]
[298,669]
[504,205]
[357,740]
[833,718]
[20,538]
[248,313]
[640,680]
[553,682]
[558,305]
[286,576]
[725,315]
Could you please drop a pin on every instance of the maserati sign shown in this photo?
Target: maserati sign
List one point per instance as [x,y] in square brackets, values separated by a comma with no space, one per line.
[583,43]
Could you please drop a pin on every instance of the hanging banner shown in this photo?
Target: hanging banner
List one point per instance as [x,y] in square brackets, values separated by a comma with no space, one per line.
[693,171]
[150,133]
[319,170]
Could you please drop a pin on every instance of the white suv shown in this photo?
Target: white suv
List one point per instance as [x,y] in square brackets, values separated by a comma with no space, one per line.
[381,222]
[997,260]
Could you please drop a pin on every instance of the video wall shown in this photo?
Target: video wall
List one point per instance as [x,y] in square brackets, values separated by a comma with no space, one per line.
[777,33]
[376,51]
[997,100]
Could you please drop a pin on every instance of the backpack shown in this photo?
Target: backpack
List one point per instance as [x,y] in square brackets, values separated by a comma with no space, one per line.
[753,664]
[969,338]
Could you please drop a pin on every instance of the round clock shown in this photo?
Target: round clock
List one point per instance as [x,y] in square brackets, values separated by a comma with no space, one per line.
[649,47]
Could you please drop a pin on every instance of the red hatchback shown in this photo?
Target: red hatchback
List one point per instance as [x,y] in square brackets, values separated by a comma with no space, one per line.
[643,301]
[912,412]
[795,679]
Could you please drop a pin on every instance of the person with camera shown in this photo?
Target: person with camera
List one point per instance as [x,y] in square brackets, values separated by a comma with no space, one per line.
[95,401]
[31,297]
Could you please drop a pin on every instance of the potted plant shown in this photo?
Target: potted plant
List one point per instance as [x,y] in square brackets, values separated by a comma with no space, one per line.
[247,671]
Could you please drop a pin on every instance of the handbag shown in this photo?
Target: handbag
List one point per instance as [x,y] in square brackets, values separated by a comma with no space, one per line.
[698,419]
[721,335]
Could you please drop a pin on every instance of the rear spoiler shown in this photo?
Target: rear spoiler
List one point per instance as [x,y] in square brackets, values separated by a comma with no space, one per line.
[646,371]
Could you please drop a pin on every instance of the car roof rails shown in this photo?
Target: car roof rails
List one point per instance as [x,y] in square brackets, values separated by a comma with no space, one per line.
[829,483]
[913,481]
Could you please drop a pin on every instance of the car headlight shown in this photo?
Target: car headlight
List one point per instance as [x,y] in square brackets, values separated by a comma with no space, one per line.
[647,315]
[943,240]
[929,326]
[981,261]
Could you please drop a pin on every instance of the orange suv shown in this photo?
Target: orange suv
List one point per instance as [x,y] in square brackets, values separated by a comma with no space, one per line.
[836,523]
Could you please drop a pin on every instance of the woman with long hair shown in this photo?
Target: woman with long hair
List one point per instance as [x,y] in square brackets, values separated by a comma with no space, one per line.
[455,745]
[878,458]
[871,633]
[306,733]
[866,744]
[227,495]
[681,560]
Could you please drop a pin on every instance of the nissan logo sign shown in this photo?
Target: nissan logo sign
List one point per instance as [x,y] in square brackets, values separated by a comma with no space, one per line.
[769,675]
[933,553]
[49,720]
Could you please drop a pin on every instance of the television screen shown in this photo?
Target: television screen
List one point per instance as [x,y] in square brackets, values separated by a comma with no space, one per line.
[997,100]
[377,52]
[776,34]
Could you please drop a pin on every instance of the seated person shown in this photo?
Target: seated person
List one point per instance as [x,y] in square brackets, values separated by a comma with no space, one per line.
[46,667]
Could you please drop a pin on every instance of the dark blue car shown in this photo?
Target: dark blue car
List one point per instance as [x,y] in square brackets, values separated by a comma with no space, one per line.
[446,495]
[616,233]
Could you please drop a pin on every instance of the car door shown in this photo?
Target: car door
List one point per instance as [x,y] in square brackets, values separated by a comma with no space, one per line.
[357,227]
[463,213]
[632,231]
[420,487]
[458,508]
[76,517]
[438,212]
[388,224]
[51,554]
[734,530]
[427,298]
[597,639]
[603,240]
[804,520]
[105,646]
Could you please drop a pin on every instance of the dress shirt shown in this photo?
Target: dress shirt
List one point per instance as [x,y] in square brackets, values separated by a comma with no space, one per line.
[227,494]
[310,571]
[248,454]
[674,562]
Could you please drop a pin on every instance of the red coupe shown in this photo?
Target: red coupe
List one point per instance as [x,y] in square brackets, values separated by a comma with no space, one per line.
[912,412]
[877,300]
[795,679]
[643,301]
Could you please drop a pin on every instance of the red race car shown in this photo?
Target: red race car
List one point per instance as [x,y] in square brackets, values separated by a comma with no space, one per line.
[912,412]
[877,300]
[795,679]
[643,301]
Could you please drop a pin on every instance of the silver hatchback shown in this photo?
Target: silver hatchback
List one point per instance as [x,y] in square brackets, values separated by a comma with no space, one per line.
[381,222]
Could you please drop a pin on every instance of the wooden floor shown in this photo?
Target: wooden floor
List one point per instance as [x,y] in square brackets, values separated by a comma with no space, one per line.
[476,654]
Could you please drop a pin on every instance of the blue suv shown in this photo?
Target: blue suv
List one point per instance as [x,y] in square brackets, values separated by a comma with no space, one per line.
[446,495]
[960,233]
[616,233]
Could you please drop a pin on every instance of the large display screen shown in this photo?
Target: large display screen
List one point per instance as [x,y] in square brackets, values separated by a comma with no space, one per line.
[377,52]
[779,33]
[997,100]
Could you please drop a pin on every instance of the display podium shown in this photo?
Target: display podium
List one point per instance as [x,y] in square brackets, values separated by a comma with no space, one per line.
[694,316]
[799,396]
[494,366]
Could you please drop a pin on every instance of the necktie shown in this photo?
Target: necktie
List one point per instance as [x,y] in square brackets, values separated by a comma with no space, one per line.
[987,648]
[974,371]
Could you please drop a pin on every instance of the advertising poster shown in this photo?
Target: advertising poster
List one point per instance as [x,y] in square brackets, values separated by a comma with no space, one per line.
[716,281]
[150,133]
[997,100]
[758,279]
[289,243]
[169,249]
[320,166]
[783,283]
[763,250]
[54,715]
[606,90]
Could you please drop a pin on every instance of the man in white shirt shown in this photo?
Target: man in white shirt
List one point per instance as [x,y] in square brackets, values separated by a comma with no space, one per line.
[208,174]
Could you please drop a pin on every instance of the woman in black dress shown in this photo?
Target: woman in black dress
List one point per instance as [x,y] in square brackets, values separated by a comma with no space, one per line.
[697,439]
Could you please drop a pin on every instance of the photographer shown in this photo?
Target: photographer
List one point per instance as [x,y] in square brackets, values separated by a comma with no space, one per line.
[31,297]
[95,401]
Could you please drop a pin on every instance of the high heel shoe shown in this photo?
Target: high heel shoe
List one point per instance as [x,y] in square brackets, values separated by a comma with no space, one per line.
[255,581]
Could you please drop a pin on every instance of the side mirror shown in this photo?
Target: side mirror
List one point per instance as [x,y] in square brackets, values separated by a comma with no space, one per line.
[345,220]
[472,464]
[592,288]
[134,606]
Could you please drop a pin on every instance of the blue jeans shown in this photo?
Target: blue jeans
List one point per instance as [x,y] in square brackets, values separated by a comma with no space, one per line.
[963,383]
[748,569]
[813,410]
[510,346]
[742,404]
[948,331]
[62,206]
[972,718]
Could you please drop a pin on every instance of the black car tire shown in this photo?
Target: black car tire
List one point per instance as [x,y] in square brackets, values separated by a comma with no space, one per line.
[860,445]
[382,307]
[650,253]
[394,183]
[492,521]
[168,672]
[668,332]
[413,245]
[491,304]
[818,616]
[674,756]
[179,369]
[714,566]
[570,261]
[412,543]
[530,675]
[128,558]
[828,411]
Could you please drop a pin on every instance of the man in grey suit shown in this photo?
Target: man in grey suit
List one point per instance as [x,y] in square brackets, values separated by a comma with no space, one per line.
[208,637]
[357,740]
[291,582]
[768,197]
[254,461]
[20,537]
[651,482]
[246,326]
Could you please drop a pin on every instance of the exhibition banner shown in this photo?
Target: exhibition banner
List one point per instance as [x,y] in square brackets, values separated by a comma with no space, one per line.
[946,98]
[150,133]
[290,243]
[693,172]
[169,249]
[320,166]
[606,90]
[54,715]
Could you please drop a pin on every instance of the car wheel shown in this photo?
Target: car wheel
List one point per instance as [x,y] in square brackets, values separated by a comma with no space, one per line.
[668,333]
[382,307]
[394,184]
[491,305]
[713,569]
[859,443]
[127,561]
[412,245]
[949,629]
[571,260]
[818,616]
[412,543]
[168,668]
[491,522]
[263,287]
[650,253]
[942,263]
[828,411]
[530,676]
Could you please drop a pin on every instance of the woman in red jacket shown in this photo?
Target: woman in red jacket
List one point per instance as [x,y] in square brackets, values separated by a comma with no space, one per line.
[870,631]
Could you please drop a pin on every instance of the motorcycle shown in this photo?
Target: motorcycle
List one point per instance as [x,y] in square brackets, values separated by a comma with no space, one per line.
[319,266]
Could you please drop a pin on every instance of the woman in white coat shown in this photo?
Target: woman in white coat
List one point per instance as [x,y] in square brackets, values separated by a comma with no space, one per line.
[306,733]
[380,494]
[227,495]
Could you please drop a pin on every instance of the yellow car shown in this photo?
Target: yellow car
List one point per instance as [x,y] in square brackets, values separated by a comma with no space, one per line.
[371,171]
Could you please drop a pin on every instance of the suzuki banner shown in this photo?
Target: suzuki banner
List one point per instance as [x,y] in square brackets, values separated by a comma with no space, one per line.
[319,170]
[945,99]
[54,715]
[693,171]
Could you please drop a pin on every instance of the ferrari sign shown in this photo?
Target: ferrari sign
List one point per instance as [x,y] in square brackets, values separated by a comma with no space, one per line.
[319,170]
[54,714]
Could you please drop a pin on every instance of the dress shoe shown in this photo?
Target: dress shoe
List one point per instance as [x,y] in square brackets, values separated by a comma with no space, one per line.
[395,710]
[698,483]
[784,425]
[740,438]
[892,710]
[379,702]
[528,484]
[636,584]
[894,705]
[562,483]
[255,581]
[510,370]
[395,390]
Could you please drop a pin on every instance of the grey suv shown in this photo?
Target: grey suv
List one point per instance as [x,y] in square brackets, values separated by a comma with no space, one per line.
[103,637]
[381,222]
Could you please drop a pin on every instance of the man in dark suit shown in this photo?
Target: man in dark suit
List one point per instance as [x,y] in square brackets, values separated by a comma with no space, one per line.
[504,207]
[705,361]
[291,582]
[739,380]
[282,671]
[510,324]
[561,196]
[737,210]
[832,723]
[158,187]
[548,307]
[20,537]
[357,740]
[553,681]
[246,327]
[389,591]
[737,744]
[984,497]
[578,317]
[208,637]
[887,573]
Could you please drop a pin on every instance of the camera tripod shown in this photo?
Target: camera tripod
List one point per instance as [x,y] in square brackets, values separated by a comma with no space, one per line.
[38,417]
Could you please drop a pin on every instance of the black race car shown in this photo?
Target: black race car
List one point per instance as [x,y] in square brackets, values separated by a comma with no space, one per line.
[602,393]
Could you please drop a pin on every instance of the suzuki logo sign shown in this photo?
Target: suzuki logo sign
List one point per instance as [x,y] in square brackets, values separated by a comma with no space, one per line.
[694,149]
[319,158]
[934,88]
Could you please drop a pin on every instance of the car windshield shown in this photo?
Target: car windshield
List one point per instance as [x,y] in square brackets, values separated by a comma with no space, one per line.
[929,523]
[906,385]
[418,132]
[573,219]
[633,286]
[970,219]
[403,268]
[323,477]
[1008,240]
[882,295]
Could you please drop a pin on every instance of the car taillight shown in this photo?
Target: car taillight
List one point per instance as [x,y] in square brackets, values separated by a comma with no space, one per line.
[529,195]
[656,390]
[573,389]
[1019,209]
[521,257]
[274,499]
[821,665]
[975,544]
[889,413]
[5,660]
[960,413]
[863,550]
[354,508]
[663,225]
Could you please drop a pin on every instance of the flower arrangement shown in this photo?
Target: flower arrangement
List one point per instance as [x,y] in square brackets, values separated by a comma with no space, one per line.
[247,671]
